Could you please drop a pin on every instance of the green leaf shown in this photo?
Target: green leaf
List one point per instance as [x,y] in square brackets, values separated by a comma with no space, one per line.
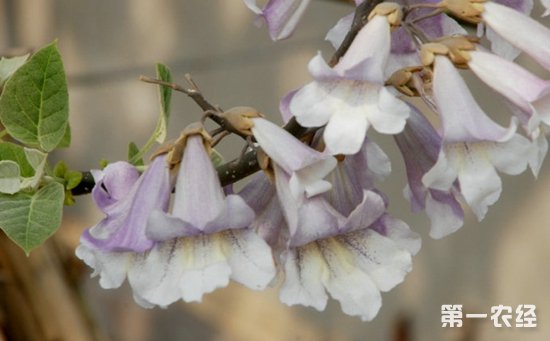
[9,177]
[34,103]
[133,153]
[60,169]
[73,178]
[30,219]
[165,95]
[9,65]
[13,152]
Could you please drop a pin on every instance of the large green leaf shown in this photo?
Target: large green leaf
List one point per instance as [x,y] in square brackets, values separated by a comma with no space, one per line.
[34,103]
[29,219]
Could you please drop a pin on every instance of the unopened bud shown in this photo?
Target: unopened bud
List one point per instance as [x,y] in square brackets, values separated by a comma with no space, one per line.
[403,82]
[468,10]
[390,10]
[456,48]
[238,120]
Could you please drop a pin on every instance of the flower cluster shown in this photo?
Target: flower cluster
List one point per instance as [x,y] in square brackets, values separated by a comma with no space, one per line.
[313,222]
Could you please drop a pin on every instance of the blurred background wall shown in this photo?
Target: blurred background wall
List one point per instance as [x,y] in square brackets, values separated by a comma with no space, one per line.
[106,45]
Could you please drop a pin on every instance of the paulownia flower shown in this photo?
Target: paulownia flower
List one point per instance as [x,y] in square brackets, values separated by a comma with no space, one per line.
[352,258]
[474,146]
[281,16]
[203,242]
[127,202]
[305,166]
[127,199]
[420,146]
[351,96]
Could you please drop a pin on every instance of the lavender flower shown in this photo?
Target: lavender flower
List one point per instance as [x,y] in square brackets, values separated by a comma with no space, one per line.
[204,242]
[351,96]
[473,145]
[127,199]
[420,146]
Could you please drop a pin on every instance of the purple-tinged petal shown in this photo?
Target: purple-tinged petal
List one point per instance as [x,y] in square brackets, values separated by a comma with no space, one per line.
[356,173]
[445,213]
[321,71]
[191,267]
[281,16]
[235,215]
[366,213]
[380,257]
[113,183]
[249,257]
[337,34]
[305,165]
[371,44]
[110,266]
[353,288]
[284,106]
[260,195]
[520,30]
[479,182]
[276,142]
[442,175]
[304,274]
[199,197]
[124,227]
[462,118]
[398,231]
[513,156]
[353,267]
[499,45]
[419,144]
[316,220]
[525,90]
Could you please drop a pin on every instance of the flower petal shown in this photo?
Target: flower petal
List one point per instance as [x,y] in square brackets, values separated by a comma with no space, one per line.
[479,182]
[305,272]
[124,228]
[445,213]
[354,289]
[346,131]
[520,30]
[250,258]
[113,183]
[199,198]
[111,267]
[462,118]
